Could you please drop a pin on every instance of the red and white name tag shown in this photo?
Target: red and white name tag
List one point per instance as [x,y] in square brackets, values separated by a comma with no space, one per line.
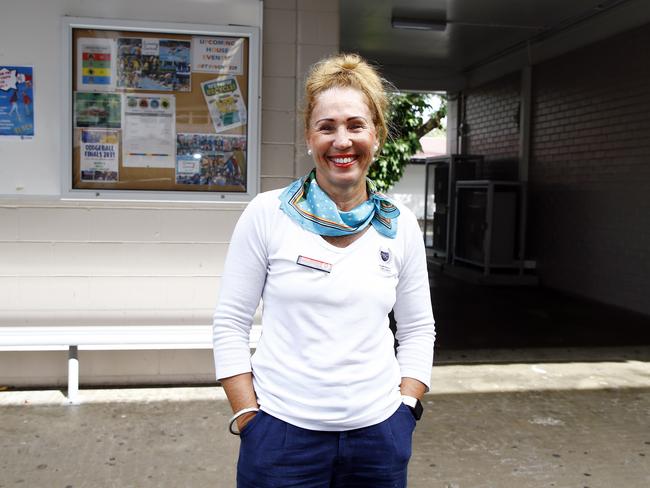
[314,264]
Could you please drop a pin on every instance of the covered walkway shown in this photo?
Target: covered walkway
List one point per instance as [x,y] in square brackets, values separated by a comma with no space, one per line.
[480,317]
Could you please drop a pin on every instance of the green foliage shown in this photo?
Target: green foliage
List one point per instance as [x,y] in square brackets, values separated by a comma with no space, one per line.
[406,118]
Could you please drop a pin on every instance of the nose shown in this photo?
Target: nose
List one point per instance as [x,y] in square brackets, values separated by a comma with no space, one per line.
[342,138]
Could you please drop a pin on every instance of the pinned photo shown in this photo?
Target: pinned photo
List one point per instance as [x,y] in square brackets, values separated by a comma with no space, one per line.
[210,159]
[101,110]
[154,64]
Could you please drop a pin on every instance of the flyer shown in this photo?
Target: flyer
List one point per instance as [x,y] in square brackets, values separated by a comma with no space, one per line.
[221,160]
[149,131]
[99,155]
[188,170]
[220,55]
[95,109]
[16,102]
[225,103]
[96,64]
[154,64]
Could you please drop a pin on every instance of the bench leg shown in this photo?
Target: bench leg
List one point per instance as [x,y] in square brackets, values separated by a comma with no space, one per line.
[73,376]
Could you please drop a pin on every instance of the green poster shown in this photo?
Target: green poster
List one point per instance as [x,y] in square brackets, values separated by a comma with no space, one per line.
[101,110]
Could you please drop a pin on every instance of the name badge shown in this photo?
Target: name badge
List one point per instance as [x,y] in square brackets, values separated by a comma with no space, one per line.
[314,264]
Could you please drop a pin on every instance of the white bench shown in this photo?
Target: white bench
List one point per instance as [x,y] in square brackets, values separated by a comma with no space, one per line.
[96,338]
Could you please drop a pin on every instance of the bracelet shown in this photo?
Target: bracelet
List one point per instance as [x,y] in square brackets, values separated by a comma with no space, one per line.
[239,414]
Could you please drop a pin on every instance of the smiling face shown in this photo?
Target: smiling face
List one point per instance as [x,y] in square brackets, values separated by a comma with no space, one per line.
[342,137]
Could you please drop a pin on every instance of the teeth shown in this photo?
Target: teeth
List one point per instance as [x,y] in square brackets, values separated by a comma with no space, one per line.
[342,160]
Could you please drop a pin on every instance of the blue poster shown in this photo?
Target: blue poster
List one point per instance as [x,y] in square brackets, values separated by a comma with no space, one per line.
[16,101]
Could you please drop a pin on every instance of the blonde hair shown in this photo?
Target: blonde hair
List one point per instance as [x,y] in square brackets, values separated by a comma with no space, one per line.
[349,71]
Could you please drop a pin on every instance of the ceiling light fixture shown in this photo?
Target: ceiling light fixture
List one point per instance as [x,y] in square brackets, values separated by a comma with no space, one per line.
[418,24]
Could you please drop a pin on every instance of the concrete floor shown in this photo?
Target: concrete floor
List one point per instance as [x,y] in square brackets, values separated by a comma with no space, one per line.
[502,419]
[532,389]
[596,439]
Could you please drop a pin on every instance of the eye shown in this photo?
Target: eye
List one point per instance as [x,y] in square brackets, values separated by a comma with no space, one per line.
[356,125]
[325,128]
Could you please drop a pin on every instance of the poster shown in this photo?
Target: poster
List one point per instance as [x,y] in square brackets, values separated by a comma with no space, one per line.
[225,103]
[221,159]
[153,64]
[95,64]
[149,131]
[101,110]
[219,55]
[17,102]
[99,155]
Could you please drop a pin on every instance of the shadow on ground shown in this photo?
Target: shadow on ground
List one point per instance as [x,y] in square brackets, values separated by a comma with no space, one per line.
[471,316]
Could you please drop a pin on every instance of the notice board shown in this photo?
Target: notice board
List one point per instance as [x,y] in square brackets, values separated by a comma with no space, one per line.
[167,110]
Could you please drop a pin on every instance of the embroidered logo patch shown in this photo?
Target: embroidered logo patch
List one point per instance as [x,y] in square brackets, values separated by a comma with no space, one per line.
[385,254]
[386,260]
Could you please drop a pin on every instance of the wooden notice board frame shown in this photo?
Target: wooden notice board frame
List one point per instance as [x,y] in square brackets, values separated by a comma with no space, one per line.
[160,111]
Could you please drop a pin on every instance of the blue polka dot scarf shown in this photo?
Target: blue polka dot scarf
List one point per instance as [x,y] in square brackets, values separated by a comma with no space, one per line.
[308,205]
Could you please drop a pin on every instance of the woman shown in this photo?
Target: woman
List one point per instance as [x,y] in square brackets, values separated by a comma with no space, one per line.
[324,402]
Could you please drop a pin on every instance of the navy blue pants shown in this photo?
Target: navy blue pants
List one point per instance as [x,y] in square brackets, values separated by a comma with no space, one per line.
[275,454]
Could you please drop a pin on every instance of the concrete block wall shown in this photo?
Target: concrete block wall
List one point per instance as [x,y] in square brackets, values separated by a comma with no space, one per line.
[491,117]
[110,264]
[297,33]
[590,171]
[105,263]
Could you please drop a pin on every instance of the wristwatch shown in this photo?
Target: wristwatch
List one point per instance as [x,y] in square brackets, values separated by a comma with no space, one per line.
[414,404]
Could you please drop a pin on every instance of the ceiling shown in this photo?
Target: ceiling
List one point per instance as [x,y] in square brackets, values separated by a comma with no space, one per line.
[480,39]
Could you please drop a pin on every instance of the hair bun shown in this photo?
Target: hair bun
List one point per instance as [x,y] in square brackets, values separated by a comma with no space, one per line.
[350,61]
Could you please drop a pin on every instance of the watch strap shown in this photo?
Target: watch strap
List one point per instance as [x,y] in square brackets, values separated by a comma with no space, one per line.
[414,404]
[409,401]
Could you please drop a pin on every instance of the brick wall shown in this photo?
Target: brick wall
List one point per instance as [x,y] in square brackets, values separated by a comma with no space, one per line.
[589,175]
[590,171]
[492,127]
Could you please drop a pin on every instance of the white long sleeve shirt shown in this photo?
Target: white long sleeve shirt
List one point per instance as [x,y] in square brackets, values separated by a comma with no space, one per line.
[325,360]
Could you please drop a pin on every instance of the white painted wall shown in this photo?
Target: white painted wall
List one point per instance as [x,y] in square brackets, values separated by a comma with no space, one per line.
[132,263]
[31,34]
[409,190]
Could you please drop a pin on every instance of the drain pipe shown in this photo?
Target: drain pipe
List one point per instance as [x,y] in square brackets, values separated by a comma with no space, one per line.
[525,116]
[461,128]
